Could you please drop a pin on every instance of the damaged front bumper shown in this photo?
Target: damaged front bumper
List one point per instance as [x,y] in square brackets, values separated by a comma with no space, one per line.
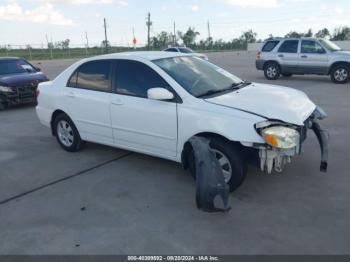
[275,158]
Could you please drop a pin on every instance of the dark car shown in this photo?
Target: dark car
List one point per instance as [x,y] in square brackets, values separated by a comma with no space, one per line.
[18,81]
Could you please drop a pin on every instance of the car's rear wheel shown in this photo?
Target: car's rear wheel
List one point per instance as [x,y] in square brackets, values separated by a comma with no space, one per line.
[67,134]
[233,165]
[340,74]
[272,71]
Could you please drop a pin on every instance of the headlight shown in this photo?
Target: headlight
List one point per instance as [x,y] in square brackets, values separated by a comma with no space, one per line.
[281,137]
[5,89]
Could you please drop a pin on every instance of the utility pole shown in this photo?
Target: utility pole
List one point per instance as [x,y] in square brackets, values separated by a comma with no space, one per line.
[149,24]
[87,44]
[209,36]
[174,38]
[49,45]
[106,41]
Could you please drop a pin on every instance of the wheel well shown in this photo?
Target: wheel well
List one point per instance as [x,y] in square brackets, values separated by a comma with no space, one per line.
[54,115]
[187,149]
[337,64]
[271,62]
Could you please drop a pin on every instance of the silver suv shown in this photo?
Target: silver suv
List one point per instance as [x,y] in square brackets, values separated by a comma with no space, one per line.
[300,56]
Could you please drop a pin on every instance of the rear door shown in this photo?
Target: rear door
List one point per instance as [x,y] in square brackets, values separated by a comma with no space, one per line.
[313,58]
[138,123]
[288,56]
[87,100]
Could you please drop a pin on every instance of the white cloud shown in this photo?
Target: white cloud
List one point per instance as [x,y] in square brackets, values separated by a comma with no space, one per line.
[44,13]
[79,2]
[253,3]
[195,8]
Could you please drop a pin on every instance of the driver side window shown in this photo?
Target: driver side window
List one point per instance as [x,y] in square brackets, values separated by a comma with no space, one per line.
[135,78]
[311,47]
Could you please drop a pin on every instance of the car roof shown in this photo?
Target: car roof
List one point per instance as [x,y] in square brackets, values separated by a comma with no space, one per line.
[9,58]
[147,55]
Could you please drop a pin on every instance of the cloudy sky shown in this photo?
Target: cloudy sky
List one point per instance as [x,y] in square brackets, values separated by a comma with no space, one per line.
[29,21]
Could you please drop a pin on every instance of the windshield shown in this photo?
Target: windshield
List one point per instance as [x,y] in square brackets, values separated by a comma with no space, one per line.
[197,76]
[329,45]
[12,66]
[185,50]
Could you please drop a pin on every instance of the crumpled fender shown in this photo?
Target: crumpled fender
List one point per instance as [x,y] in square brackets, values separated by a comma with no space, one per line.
[210,181]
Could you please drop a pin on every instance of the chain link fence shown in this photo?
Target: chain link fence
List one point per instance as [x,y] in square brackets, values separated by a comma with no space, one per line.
[34,52]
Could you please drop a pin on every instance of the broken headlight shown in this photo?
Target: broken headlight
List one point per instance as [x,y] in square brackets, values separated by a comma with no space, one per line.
[5,89]
[281,137]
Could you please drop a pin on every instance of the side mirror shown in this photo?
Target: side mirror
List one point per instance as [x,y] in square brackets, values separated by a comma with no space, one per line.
[38,69]
[159,93]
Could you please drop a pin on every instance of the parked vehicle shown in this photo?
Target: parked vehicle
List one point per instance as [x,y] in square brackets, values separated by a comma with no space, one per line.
[186,50]
[18,81]
[155,102]
[288,56]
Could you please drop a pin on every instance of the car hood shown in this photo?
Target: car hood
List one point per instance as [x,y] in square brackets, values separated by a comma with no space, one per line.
[14,80]
[342,52]
[271,102]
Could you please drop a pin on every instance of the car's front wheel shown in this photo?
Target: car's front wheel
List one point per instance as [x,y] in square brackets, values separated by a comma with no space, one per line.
[340,74]
[272,71]
[233,165]
[67,134]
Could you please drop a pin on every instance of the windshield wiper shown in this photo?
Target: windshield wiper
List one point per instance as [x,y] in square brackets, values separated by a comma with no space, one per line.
[240,84]
[234,86]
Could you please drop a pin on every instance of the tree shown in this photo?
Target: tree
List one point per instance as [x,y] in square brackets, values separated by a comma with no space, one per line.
[309,33]
[294,34]
[341,34]
[103,44]
[162,40]
[323,33]
[248,37]
[189,38]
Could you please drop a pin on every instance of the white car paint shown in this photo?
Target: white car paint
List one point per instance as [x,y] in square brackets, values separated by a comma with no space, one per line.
[161,128]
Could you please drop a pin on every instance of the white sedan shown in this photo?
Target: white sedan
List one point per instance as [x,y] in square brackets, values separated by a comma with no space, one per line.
[154,102]
[186,50]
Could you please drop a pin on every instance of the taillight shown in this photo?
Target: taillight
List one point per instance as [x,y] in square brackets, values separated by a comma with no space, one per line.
[37,92]
[258,55]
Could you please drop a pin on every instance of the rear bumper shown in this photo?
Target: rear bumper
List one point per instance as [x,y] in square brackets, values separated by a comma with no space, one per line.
[259,64]
[44,116]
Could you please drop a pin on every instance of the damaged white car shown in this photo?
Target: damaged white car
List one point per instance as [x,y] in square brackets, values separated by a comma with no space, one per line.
[155,102]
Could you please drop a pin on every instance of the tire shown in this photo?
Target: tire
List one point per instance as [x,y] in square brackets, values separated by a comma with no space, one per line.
[340,74]
[287,75]
[272,71]
[67,134]
[228,152]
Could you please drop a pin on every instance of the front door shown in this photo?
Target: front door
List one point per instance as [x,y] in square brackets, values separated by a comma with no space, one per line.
[138,123]
[313,58]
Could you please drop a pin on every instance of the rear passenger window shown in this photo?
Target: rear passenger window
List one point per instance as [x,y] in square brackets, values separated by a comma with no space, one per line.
[269,46]
[94,75]
[135,78]
[289,46]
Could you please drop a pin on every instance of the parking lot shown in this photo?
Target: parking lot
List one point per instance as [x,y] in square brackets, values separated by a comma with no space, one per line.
[108,201]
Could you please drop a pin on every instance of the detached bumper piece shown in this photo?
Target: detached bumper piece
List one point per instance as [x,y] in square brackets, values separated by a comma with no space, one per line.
[210,181]
[322,137]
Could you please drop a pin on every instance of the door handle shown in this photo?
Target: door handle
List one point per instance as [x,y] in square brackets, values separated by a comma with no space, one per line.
[70,94]
[280,55]
[304,56]
[117,102]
